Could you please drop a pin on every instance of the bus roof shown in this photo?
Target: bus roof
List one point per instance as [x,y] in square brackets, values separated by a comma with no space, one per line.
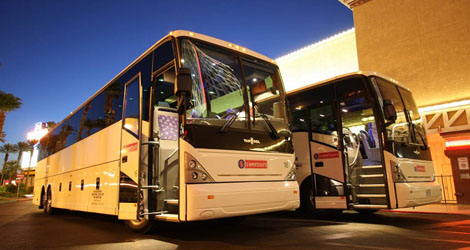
[338,77]
[175,33]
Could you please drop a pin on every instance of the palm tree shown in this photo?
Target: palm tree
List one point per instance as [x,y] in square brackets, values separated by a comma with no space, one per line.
[22,146]
[10,169]
[7,149]
[2,137]
[51,125]
[8,102]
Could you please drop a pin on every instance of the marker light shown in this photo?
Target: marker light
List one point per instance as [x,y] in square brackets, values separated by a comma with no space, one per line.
[191,33]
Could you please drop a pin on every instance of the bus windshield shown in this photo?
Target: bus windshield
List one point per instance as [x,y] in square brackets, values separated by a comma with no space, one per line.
[407,128]
[228,86]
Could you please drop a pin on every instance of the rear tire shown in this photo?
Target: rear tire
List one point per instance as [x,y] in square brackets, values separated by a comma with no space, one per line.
[48,209]
[141,226]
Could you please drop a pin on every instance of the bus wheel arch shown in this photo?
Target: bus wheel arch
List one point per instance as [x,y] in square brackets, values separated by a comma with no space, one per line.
[41,198]
[307,200]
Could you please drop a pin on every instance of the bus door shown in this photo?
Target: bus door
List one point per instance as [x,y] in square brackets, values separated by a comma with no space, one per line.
[129,195]
[362,154]
[165,133]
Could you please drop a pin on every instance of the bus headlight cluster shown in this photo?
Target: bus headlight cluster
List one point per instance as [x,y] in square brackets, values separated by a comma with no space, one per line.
[194,171]
[397,173]
[291,175]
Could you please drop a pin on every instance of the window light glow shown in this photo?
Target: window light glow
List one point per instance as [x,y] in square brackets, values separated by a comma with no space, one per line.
[462,143]
[444,106]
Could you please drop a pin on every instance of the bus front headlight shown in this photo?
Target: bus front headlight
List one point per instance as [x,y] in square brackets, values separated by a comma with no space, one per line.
[291,175]
[194,171]
[397,174]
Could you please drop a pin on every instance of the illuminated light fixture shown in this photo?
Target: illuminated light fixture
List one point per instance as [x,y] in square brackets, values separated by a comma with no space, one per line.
[364,119]
[321,101]
[236,47]
[243,49]
[213,64]
[171,33]
[444,106]
[212,92]
[322,115]
[161,92]
[272,60]
[456,144]
[299,108]
[191,33]
[255,80]
[298,52]
[302,120]
[193,75]
[160,80]
[182,60]
[38,132]
[230,45]
[344,110]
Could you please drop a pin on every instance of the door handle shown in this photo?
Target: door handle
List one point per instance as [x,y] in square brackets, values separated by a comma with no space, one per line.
[124,159]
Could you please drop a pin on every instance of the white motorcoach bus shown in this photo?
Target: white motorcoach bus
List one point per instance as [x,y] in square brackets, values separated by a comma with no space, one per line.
[360,144]
[194,129]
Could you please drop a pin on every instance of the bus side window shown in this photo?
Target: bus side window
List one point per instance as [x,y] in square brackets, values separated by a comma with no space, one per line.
[323,125]
[300,120]
[162,55]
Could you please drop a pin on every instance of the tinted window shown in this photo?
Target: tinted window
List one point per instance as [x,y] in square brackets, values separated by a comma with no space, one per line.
[349,87]
[131,120]
[56,139]
[73,128]
[299,120]
[165,91]
[162,55]
[323,125]
[43,147]
[313,97]
[113,103]
[95,115]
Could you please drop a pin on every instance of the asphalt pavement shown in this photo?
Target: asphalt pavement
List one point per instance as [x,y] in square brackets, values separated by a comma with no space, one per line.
[24,226]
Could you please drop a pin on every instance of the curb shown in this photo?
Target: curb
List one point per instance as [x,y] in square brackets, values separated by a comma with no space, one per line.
[423,212]
[15,200]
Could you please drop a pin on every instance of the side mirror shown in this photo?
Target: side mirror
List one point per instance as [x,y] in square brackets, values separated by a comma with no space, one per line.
[389,110]
[184,83]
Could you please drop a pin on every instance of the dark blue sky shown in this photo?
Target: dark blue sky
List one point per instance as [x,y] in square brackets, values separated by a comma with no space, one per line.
[55,54]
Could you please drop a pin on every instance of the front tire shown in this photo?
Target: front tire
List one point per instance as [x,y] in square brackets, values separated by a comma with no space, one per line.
[141,226]
[307,203]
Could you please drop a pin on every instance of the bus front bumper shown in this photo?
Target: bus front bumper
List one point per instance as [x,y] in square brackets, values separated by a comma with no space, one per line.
[418,193]
[219,200]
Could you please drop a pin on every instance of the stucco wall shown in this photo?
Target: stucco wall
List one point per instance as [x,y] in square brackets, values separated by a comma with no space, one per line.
[423,44]
[328,58]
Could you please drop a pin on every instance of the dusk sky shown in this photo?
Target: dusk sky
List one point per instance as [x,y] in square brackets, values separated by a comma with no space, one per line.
[56,54]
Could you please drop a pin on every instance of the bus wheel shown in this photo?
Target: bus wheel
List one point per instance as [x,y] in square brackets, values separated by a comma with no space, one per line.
[141,226]
[48,209]
[307,198]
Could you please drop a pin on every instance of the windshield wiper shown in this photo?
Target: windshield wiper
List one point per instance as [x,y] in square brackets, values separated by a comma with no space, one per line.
[268,122]
[229,123]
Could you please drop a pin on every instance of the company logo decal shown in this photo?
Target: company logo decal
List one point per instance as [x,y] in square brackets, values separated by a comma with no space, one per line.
[252,164]
[420,169]
[327,155]
[241,164]
[252,141]
[131,147]
[417,152]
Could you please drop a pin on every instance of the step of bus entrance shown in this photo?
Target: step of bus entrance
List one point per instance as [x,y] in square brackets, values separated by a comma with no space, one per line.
[172,205]
[370,189]
[379,199]
[371,179]
[374,169]
[369,206]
